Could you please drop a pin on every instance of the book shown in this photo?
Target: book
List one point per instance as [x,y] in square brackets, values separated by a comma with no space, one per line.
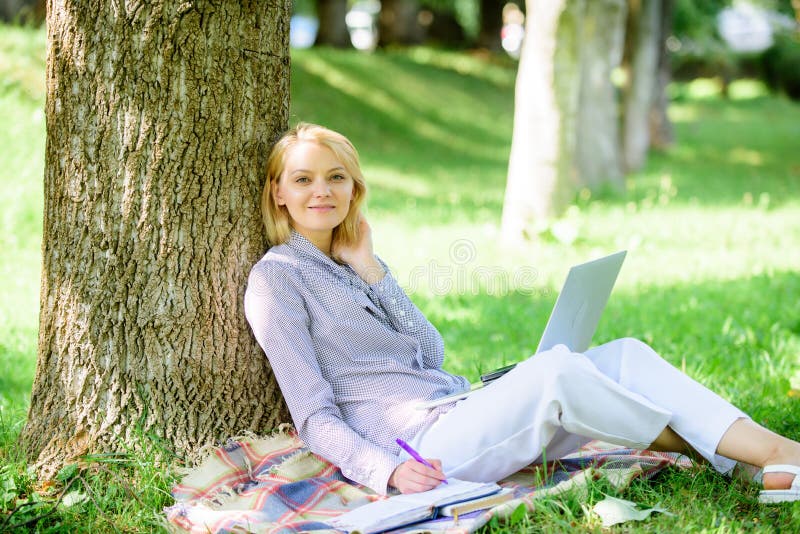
[497,373]
[481,503]
[405,509]
[486,379]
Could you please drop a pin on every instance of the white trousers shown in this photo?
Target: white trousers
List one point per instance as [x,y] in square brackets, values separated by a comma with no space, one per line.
[556,401]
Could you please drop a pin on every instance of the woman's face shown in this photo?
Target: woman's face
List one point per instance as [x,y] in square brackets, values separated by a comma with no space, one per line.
[316,189]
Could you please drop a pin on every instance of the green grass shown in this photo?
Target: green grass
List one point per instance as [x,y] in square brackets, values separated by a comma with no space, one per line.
[711,281]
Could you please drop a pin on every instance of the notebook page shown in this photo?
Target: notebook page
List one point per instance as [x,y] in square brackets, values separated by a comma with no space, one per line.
[401,510]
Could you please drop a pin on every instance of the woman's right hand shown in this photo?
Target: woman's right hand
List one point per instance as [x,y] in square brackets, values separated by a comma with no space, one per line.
[413,477]
[360,256]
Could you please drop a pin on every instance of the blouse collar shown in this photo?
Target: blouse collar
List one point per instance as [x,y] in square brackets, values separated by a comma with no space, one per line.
[302,245]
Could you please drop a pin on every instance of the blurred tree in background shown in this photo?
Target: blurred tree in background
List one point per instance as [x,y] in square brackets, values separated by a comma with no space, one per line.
[22,11]
[542,177]
[565,125]
[441,24]
[597,130]
[661,132]
[640,61]
[697,47]
[491,24]
[398,23]
[332,27]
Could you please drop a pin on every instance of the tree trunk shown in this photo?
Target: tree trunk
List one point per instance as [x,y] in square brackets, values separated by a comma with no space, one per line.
[662,135]
[159,119]
[644,52]
[441,28]
[541,173]
[598,147]
[332,27]
[491,22]
[398,23]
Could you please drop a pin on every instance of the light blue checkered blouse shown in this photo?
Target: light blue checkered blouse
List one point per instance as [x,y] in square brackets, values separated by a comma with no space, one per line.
[351,359]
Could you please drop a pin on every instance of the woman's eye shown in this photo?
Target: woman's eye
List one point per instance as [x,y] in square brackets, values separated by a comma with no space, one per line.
[302,180]
[337,177]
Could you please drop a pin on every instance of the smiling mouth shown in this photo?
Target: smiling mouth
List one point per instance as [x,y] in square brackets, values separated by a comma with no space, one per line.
[326,207]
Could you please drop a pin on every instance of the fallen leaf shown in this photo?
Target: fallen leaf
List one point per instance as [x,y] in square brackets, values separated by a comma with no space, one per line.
[72,498]
[613,511]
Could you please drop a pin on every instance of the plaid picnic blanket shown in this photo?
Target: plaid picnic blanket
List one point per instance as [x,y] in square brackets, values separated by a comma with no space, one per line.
[275,484]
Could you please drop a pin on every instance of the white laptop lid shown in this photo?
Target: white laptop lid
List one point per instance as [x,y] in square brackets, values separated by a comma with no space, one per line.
[581,302]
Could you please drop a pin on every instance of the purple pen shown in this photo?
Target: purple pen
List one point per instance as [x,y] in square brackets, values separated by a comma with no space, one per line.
[415,455]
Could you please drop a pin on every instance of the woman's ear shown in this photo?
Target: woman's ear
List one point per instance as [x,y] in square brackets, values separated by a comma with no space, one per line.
[276,194]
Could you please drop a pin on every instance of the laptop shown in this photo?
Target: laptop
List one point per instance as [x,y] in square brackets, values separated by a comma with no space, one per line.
[573,320]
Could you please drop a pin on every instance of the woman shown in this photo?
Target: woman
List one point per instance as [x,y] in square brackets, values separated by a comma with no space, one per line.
[353,355]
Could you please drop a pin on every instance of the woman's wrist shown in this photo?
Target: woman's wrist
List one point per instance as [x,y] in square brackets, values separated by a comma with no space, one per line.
[369,270]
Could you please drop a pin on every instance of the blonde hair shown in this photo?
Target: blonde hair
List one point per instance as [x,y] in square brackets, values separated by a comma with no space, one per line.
[276,218]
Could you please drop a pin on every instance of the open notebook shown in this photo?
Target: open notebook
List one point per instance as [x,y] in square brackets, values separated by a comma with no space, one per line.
[400,510]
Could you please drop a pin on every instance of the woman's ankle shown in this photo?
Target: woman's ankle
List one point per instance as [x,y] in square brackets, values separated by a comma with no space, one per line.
[785,451]
[788,453]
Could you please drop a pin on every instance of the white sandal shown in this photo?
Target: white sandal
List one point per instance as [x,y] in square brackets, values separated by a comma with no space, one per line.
[782,495]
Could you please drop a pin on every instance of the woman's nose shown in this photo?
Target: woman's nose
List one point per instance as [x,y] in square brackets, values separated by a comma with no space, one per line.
[322,188]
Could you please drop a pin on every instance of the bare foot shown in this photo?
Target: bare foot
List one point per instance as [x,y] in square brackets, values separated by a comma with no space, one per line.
[788,455]
[777,481]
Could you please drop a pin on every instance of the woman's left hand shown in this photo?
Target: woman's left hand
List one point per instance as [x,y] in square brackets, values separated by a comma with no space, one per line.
[360,256]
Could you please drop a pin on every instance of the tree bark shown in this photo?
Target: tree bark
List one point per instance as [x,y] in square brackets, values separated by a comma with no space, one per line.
[159,118]
[332,27]
[662,134]
[398,23]
[491,23]
[641,83]
[542,177]
[598,147]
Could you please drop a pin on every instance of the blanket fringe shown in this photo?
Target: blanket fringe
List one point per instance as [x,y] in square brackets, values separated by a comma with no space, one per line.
[196,458]
[299,465]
